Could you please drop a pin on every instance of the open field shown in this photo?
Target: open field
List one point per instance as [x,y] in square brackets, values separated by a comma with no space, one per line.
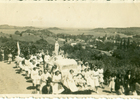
[66,31]
[86,32]
[11,31]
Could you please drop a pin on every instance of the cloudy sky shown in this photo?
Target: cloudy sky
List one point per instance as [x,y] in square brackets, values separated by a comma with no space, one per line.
[72,15]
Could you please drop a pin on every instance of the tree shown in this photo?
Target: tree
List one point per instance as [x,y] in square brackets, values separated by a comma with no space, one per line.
[117,37]
[20,34]
[10,36]
[128,43]
[42,41]
[121,44]
[17,32]
[124,44]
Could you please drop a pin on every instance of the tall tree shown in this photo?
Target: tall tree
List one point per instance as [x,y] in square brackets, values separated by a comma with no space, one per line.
[128,43]
[121,44]
[124,44]
[17,32]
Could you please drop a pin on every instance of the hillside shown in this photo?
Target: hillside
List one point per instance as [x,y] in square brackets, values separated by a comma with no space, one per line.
[54,28]
[39,32]
[17,27]
[8,29]
[126,31]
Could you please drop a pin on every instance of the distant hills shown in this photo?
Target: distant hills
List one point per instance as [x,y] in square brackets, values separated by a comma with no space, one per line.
[9,29]
[54,28]
[16,27]
[126,31]
[26,27]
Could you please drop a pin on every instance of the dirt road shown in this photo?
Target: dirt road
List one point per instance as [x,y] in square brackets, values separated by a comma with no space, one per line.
[11,82]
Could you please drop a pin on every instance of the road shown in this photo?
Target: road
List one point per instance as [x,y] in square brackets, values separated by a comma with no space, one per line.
[13,82]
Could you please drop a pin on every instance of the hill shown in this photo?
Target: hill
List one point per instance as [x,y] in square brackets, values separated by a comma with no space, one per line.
[9,29]
[54,28]
[126,31]
[17,27]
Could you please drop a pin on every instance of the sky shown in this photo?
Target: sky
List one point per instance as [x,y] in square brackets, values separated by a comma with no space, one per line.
[70,15]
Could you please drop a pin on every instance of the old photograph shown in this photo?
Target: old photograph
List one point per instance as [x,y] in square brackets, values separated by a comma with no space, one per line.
[70,48]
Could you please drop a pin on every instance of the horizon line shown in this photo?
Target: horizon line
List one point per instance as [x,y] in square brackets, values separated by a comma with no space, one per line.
[69,27]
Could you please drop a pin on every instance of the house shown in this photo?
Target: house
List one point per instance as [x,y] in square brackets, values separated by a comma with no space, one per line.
[69,40]
[106,53]
[93,46]
[61,39]
[98,40]
[84,47]
[73,44]
[83,41]
[90,40]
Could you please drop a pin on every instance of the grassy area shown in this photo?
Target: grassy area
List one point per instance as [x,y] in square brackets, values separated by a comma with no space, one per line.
[8,29]
[95,32]
[11,31]
[51,40]
[77,32]
[27,38]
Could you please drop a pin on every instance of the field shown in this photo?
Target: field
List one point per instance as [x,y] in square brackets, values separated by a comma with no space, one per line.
[95,32]
[11,31]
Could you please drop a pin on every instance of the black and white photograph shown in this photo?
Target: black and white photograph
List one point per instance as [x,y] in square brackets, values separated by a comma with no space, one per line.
[70,48]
